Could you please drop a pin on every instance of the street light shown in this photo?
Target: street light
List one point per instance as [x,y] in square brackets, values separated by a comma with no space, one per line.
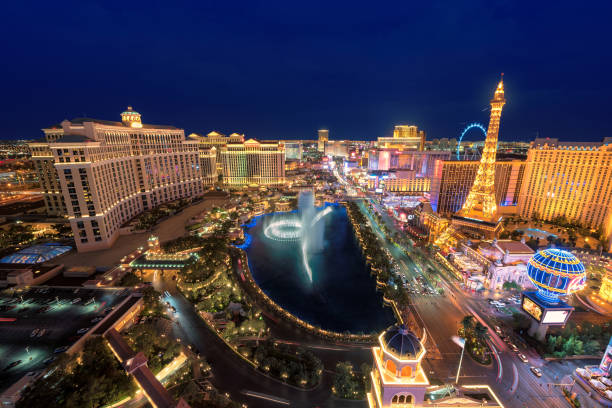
[461,343]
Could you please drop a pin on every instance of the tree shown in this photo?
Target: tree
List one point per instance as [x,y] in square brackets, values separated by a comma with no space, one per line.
[480,333]
[130,279]
[511,286]
[345,385]
[62,229]
[467,323]
[591,347]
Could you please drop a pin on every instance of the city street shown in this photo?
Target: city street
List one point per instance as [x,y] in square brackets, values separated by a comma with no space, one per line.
[513,381]
[234,375]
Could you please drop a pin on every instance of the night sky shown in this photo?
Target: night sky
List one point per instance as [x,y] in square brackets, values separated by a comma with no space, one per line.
[281,70]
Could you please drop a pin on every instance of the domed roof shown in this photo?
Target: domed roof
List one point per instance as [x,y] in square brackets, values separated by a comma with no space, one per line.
[556,272]
[402,342]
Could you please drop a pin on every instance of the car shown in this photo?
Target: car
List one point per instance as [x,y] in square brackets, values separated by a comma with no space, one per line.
[522,357]
[34,333]
[41,332]
[536,371]
[49,360]
[83,330]
[60,349]
[513,347]
[96,319]
[75,301]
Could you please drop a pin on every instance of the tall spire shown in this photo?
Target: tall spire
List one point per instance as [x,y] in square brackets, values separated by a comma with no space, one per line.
[481,203]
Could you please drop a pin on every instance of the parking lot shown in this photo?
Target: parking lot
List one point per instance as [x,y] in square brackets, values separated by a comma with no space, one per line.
[38,324]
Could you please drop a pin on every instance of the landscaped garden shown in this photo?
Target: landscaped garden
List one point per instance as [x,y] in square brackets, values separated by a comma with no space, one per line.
[475,335]
[92,378]
[349,384]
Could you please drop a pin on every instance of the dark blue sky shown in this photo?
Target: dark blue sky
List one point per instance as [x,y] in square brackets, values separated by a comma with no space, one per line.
[282,69]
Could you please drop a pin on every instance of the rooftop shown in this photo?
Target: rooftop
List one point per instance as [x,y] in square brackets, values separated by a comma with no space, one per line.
[402,342]
[514,247]
[36,254]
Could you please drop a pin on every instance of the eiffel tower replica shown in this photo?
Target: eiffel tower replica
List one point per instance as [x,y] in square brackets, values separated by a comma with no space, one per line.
[478,216]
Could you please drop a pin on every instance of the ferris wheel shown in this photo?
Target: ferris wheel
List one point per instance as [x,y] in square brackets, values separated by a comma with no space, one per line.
[469,127]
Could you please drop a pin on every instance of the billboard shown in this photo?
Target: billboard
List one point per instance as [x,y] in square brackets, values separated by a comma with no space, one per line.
[555,316]
[532,308]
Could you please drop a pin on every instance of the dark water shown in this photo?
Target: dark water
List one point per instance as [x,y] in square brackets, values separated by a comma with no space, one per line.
[342,295]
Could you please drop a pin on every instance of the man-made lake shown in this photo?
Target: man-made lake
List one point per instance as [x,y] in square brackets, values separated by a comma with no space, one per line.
[328,285]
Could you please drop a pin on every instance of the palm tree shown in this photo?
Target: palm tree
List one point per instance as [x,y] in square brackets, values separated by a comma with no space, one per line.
[467,323]
[480,332]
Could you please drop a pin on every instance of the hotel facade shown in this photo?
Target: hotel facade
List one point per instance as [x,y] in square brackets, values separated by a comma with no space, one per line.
[253,163]
[215,140]
[404,137]
[571,180]
[452,181]
[109,172]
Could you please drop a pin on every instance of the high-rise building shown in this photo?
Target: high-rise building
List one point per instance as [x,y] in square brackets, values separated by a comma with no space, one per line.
[208,165]
[109,172]
[452,181]
[337,148]
[253,163]
[422,163]
[404,137]
[43,160]
[323,138]
[570,180]
[216,140]
[293,150]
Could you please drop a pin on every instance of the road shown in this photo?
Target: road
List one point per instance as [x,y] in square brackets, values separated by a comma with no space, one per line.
[441,316]
[232,374]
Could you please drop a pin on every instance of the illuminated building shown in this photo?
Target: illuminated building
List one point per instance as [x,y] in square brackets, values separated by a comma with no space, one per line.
[605,291]
[404,137]
[109,172]
[216,140]
[398,379]
[554,272]
[208,165]
[293,150]
[498,262]
[44,164]
[399,181]
[480,202]
[452,180]
[337,148]
[423,163]
[478,216]
[571,180]
[253,163]
[323,138]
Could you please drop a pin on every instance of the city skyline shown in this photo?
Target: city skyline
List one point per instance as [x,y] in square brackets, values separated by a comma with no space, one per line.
[310,205]
[282,72]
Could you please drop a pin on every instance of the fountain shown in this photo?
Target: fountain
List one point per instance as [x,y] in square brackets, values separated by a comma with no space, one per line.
[306,228]
[309,263]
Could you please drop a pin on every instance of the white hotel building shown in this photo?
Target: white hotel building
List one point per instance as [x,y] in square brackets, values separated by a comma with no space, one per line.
[109,172]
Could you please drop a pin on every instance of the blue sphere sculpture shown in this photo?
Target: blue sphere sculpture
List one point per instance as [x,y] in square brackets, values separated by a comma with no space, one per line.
[556,272]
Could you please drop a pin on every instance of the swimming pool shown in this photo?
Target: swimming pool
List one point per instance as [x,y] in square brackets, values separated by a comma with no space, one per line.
[538,233]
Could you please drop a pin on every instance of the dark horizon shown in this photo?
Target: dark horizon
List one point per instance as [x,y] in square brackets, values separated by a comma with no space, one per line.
[282,71]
